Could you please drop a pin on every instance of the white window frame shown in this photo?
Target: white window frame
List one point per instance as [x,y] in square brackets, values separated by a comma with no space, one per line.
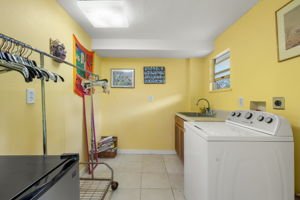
[213,74]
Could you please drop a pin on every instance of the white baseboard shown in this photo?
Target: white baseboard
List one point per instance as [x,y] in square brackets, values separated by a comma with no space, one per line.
[83,171]
[133,151]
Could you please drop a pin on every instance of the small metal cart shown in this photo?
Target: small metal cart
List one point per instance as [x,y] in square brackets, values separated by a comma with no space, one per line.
[93,187]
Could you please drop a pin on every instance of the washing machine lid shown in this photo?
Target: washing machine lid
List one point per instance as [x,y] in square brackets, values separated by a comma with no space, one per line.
[224,131]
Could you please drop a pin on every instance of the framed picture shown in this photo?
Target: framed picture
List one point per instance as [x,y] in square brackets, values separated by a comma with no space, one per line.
[154,75]
[288,30]
[122,78]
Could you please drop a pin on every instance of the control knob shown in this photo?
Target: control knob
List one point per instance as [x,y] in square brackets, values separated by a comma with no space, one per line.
[238,114]
[268,120]
[233,114]
[260,118]
[248,115]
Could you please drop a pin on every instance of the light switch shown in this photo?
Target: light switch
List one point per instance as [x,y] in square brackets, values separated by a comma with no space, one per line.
[241,101]
[151,98]
[30,96]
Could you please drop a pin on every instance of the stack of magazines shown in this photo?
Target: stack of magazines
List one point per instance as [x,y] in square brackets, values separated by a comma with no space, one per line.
[107,144]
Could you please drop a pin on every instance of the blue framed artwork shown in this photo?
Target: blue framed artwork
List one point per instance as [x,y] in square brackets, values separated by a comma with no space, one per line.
[154,75]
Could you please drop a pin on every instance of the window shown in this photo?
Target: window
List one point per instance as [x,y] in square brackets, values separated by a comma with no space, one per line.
[221,71]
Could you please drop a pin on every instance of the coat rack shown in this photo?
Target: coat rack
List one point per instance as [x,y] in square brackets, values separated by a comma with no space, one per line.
[95,77]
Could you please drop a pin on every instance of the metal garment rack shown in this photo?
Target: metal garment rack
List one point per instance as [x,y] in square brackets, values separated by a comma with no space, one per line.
[42,65]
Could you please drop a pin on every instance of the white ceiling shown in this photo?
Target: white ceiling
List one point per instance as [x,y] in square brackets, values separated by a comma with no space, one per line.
[164,28]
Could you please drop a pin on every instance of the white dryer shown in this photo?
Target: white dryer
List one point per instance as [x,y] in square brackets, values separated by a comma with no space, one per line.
[248,157]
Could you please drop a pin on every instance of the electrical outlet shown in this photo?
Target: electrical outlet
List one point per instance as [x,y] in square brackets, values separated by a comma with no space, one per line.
[30,96]
[151,98]
[278,103]
[241,101]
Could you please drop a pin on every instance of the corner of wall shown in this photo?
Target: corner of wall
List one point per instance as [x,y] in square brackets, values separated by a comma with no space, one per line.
[195,81]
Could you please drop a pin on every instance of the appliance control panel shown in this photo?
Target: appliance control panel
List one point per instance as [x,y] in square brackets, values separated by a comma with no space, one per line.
[261,121]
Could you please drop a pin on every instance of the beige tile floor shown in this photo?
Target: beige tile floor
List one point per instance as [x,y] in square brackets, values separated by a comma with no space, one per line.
[145,177]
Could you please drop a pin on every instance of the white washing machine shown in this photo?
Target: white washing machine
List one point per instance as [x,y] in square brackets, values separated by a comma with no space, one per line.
[248,157]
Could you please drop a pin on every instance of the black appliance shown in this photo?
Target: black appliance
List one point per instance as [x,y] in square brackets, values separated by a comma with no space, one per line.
[39,177]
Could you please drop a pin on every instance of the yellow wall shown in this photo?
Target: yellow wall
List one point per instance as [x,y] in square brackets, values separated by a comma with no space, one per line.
[195,87]
[128,114]
[256,74]
[35,22]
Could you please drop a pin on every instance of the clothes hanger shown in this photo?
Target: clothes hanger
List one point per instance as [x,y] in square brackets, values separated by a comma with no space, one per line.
[52,76]
[2,57]
[58,78]
[35,72]
[61,78]
[48,75]
[21,69]
[16,57]
[4,50]
[9,53]
[17,60]
[2,43]
[24,51]
[43,74]
[27,62]
[12,48]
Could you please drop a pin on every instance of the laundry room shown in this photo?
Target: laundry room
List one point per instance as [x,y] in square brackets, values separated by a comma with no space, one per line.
[150,100]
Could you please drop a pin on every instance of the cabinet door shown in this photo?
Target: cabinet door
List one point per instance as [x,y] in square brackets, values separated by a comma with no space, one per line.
[177,139]
[181,144]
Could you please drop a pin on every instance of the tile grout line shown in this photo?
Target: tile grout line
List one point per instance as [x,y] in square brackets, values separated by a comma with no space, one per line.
[169,178]
[141,172]
[141,186]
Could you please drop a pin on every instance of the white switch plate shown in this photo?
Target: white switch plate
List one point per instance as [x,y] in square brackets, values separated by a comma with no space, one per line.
[241,101]
[30,96]
[151,98]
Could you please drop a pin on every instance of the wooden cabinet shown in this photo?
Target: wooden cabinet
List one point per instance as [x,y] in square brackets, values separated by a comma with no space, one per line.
[179,137]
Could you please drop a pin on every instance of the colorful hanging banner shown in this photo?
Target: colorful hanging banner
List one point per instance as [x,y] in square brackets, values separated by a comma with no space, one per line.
[84,59]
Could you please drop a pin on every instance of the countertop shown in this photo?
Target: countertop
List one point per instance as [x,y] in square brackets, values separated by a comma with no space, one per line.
[200,119]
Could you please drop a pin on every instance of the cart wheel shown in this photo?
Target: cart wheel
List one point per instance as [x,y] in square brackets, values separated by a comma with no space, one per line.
[114,185]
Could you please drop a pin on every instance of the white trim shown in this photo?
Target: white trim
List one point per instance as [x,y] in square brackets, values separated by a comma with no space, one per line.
[212,72]
[83,171]
[222,53]
[135,151]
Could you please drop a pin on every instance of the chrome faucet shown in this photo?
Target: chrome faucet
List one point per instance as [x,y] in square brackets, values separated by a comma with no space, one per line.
[207,110]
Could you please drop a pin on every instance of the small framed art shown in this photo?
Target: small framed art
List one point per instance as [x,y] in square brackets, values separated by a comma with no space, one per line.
[154,75]
[122,78]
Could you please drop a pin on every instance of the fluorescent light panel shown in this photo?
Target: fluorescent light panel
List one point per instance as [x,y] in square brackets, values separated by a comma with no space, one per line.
[105,14]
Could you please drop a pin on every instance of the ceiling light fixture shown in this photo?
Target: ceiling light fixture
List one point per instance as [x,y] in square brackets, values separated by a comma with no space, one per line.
[104,13]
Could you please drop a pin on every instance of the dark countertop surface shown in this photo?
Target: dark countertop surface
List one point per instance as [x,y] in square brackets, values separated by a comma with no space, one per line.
[19,172]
